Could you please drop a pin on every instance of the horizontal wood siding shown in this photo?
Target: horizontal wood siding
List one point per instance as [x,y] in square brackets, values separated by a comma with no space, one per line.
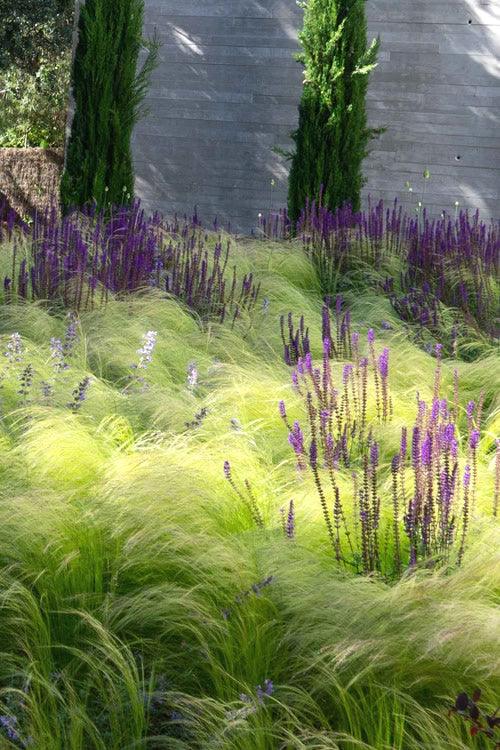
[227,88]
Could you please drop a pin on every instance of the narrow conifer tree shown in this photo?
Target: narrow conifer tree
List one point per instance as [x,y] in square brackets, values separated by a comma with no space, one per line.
[108,91]
[332,135]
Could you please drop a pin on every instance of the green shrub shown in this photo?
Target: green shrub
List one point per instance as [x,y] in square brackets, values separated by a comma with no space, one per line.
[332,136]
[33,106]
[108,92]
[35,44]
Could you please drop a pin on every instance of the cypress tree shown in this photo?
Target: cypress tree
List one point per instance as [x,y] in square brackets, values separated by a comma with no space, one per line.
[108,91]
[332,135]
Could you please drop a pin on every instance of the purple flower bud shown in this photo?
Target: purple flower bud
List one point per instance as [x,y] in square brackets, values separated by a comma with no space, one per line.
[326,347]
[308,361]
[467,476]
[371,336]
[282,409]
[324,417]
[395,463]
[355,339]
[470,409]
[386,326]
[439,350]
[374,454]
[227,469]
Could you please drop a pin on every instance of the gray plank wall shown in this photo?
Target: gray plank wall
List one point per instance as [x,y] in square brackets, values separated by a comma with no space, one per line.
[227,88]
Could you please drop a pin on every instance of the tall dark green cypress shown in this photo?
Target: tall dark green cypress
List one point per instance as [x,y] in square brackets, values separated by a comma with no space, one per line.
[332,136]
[108,91]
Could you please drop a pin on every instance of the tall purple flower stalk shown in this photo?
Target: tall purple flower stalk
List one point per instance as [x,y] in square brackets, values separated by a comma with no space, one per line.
[81,259]
[431,496]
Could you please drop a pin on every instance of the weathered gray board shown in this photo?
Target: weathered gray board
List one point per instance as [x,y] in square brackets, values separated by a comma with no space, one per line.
[227,88]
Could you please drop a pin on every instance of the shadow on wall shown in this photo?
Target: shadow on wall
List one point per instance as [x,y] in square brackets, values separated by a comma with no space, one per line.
[224,95]
[437,90]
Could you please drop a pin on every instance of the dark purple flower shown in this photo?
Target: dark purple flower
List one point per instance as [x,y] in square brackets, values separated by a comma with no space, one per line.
[474,439]
[313,454]
[282,409]
[227,469]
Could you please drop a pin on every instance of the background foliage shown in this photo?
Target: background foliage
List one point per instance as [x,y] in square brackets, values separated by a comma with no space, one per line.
[35,45]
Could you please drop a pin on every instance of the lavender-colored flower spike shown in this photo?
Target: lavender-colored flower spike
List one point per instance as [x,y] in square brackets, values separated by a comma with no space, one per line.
[14,351]
[474,439]
[282,409]
[146,351]
[467,474]
[371,336]
[426,451]
[470,409]
[296,439]
[374,454]
[383,363]
[227,469]
[346,373]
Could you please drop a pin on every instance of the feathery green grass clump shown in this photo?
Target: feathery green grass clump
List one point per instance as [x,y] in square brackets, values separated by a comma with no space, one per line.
[140,605]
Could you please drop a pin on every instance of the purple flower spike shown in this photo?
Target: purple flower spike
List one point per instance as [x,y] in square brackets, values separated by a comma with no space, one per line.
[282,409]
[426,451]
[313,454]
[290,521]
[346,374]
[227,469]
[474,439]
[296,439]
[371,336]
[467,476]
[439,350]
[374,454]
[383,363]
[326,347]
[470,409]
